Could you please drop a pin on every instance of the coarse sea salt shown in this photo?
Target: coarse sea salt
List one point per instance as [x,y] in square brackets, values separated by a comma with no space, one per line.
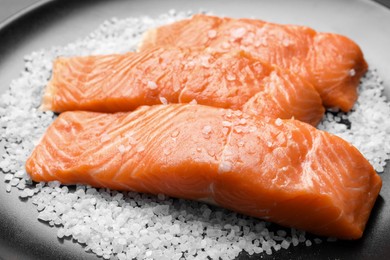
[132,225]
[163,100]
[207,129]
[212,34]
[152,85]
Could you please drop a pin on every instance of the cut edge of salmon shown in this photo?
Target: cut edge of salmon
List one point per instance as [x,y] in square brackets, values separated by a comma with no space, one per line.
[149,35]
[48,96]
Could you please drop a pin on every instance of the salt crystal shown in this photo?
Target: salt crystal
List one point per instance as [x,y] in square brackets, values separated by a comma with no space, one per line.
[352,72]
[206,129]
[20,174]
[230,77]
[175,133]
[23,194]
[21,185]
[238,129]
[238,32]
[257,250]
[168,237]
[8,188]
[121,148]
[285,244]
[224,167]
[278,122]
[140,148]
[238,112]
[122,241]
[193,102]
[206,213]
[166,151]
[41,207]
[8,177]
[241,243]
[156,243]
[105,137]
[163,100]
[60,233]
[14,182]
[225,45]
[152,85]
[204,61]
[175,229]
[225,131]
[226,123]
[212,34]
[286,42]
[295,241]
[44,215]
[190,64]
[252,129]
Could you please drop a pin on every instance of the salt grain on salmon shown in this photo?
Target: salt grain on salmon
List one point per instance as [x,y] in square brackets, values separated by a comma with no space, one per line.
[212,33]
[163,100]
[105,138]
[133,83]
[152,85]
[231,77]
[206,129]
[121,148]
[238,33]
[226,123]
[320,165]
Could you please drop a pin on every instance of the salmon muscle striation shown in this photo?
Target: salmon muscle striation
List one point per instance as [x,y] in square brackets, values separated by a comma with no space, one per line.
[284,171]
[114,83]
[333,63]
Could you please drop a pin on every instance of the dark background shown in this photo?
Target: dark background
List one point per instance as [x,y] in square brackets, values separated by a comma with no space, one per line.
[16,243]
[10,7]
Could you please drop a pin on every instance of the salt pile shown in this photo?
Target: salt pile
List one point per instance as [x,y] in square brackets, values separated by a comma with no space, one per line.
[132,225]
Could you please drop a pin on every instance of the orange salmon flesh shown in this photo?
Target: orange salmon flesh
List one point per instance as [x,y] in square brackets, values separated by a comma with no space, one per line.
[332,63]
[114,83]
[284,171]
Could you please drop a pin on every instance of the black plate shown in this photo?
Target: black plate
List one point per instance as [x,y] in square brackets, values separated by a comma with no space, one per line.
[50,23]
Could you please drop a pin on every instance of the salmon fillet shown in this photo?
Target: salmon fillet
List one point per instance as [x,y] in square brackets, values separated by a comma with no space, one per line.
[115,83]
[283,171]
[333,63]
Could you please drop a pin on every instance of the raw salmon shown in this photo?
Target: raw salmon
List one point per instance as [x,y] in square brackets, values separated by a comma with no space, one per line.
[285,171]
[333,63]
[115,83]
